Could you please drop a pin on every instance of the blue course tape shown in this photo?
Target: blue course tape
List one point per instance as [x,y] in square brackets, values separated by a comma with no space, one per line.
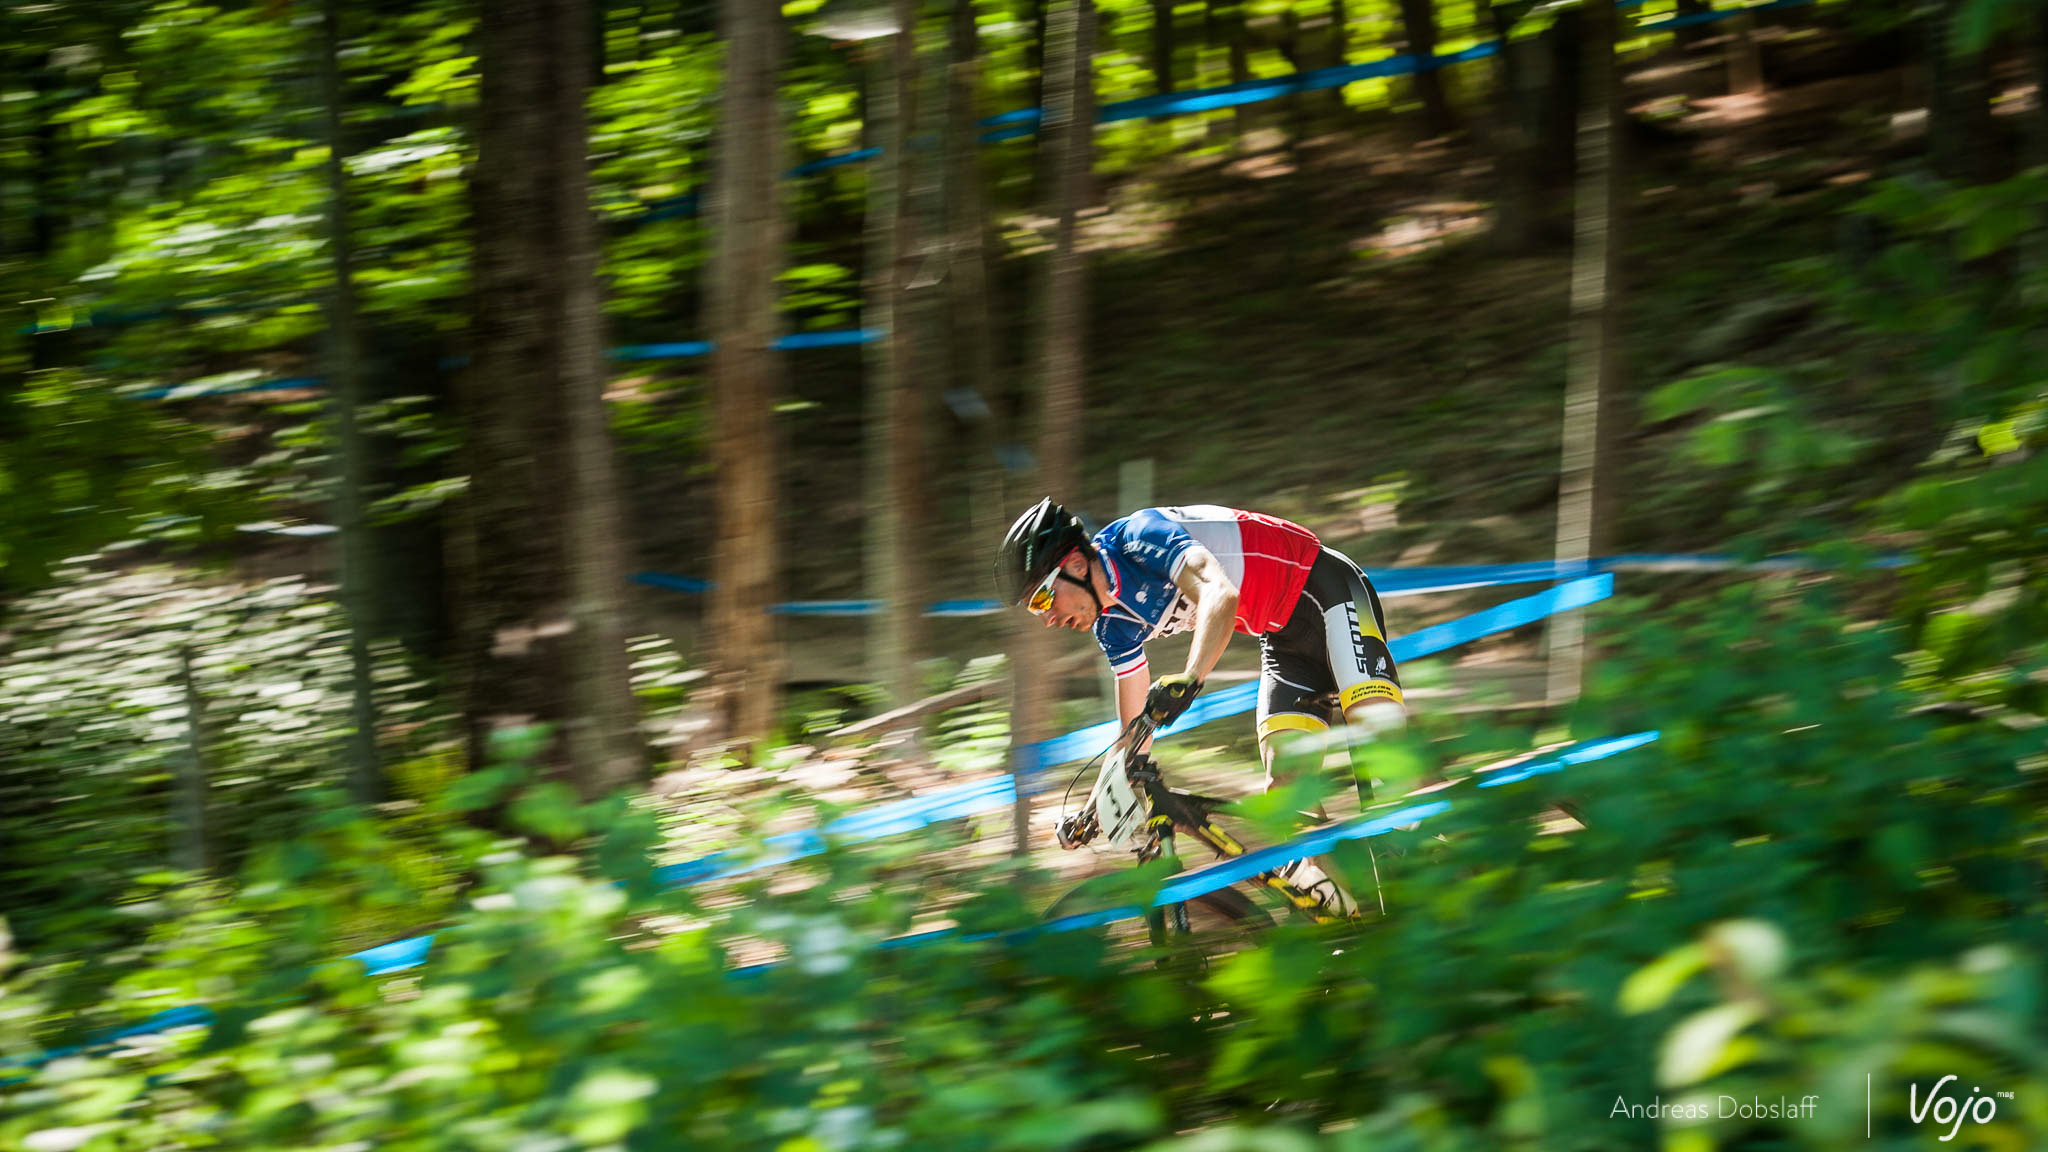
[837,338]
[822,164]
[679,350]
[1389,582]
[195,391]
[795,341]
[675,583]
[1024,121]
[972,799]
[999,792]
[1579,754]
[673,208]
[909,815]
[395,956]
[1500,618]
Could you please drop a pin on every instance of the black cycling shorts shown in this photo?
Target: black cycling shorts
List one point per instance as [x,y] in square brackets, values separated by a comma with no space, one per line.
[1330,656]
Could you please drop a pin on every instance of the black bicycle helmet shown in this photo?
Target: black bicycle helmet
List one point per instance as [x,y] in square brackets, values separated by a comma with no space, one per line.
[1038,541]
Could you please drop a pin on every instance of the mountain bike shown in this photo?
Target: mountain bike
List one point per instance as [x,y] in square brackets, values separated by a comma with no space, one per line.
[1132,809]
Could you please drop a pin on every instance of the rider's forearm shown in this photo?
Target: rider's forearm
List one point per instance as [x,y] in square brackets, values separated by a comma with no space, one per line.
[1214,618]
[1130,700]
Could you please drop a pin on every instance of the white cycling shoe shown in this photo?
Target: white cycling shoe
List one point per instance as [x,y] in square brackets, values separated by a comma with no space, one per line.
[1331,898]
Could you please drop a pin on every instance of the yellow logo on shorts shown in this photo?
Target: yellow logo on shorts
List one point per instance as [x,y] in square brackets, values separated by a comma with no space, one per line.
[1369,690]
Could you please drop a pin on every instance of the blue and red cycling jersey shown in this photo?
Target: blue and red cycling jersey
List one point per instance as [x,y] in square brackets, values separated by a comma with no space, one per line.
[1266,557]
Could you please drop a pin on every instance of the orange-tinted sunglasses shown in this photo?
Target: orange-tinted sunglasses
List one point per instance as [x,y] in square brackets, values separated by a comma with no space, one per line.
[1041,596]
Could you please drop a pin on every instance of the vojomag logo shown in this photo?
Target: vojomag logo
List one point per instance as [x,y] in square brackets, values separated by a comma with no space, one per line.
[1945,1108]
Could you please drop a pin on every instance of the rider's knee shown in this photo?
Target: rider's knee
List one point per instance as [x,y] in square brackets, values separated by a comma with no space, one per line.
[1376,717]
[1287,734]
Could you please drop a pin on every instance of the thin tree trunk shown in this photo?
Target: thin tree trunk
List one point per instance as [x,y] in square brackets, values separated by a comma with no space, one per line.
[895,417]
[1594,356]
[1088,193]
[1063,331]
[2036,133]
[1960,130]
[188,853]
[1744,59]
[1691,34]
[1240,63]
[604,734]
[1517,206]
[1162,46]
[1418,19]
[971,328]
[1062,339]
[48,215]
[1034,64]
[748,250]
[345,389]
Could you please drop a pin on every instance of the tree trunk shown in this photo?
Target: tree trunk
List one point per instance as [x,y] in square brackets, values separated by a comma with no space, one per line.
[895,416]
[188,807]
[47,202]
[1227,18]
[1062,340]
[748,250]
[1064,313]
[513,596]
[1162,46]
[1518,205]
[1594,357]
[1691,34]
[1088,193]
[1533,127]
[605,732]
[541,554]
[1744,59]
[345,391]
[971,326]
[1418,20]
[1034,64]
[2036,133]
[1961,134]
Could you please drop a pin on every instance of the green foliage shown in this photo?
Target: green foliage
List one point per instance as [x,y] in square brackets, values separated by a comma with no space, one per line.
[1802,880]
[82,467]
[95,728]
[1759,426]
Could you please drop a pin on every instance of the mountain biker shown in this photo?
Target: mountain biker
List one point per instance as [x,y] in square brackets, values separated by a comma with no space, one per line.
[1214,570]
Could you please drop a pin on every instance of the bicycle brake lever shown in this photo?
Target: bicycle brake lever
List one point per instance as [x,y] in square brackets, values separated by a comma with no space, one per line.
[1075,831]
